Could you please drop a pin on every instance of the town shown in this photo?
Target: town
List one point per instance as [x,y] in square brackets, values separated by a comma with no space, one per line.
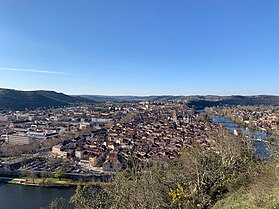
[94,142]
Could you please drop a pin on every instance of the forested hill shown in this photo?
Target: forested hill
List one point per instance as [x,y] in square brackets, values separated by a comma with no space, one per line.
[196,100]
[236,100]
[19,100]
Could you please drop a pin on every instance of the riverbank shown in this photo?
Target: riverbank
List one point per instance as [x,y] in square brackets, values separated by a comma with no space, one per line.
[244,123]
[38,182]
[48,182]
[257,138]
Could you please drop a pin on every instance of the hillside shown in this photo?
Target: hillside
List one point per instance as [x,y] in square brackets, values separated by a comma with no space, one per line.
[19,100]
[195,101]
[261,192]
[102,98]
[235,100]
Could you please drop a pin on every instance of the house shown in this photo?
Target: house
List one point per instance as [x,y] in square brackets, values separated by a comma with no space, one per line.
[112,163]
[92,161]
[57,150]
[79,153]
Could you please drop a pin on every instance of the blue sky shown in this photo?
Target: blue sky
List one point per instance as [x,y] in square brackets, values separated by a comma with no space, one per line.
[146,47]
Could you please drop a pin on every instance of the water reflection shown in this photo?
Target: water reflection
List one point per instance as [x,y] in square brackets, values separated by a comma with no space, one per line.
[258,137]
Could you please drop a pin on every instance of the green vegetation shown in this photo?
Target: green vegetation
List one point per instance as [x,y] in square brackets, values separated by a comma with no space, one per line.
[59,173]
[261,192]
[226,175]
[46,182]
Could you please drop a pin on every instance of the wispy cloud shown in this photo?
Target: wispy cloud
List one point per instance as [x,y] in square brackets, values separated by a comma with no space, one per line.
[34,71]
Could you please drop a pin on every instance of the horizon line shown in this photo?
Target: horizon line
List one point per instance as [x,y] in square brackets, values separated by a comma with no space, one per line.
[135,95]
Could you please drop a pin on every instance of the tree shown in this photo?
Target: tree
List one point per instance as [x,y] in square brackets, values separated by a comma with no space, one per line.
[59,203]
[208,173]
[32,175]
[59,173]
[44,174]
[48,182]
[87,197]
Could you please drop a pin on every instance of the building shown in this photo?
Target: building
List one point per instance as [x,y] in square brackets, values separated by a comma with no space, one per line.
[79,153]
[57,150]
[17,139]
[112,163]
[93,161]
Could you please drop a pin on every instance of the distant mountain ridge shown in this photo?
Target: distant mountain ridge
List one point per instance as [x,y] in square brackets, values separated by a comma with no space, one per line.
[11,99]
[102,98]
[197,101]
[267,100]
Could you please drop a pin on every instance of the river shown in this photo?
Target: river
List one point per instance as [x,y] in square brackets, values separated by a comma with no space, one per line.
[14,196]
[259,145]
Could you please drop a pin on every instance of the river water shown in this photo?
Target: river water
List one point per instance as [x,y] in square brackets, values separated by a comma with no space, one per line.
[14,196]
[260,146]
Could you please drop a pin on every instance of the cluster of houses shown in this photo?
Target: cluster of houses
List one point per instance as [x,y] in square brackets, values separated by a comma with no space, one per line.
[157,131]
[146,131]
[24,127]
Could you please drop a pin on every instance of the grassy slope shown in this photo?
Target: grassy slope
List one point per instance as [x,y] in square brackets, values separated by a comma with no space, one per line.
[247,200]
[262,192]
